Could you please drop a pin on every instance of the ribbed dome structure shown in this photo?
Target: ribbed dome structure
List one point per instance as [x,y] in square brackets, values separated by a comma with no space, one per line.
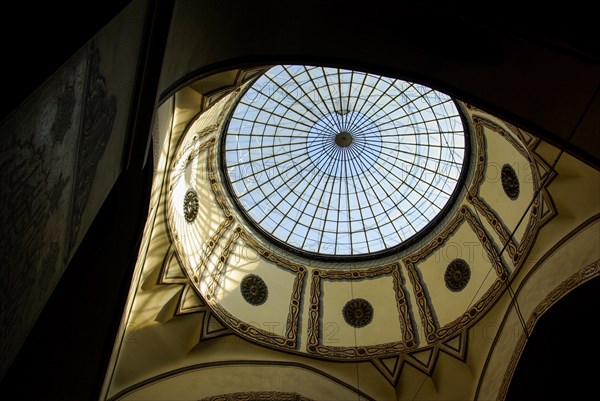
[339,163]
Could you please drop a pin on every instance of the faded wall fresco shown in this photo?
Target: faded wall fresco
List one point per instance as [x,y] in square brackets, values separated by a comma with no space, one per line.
[49,152]
[60,154]
[98,117]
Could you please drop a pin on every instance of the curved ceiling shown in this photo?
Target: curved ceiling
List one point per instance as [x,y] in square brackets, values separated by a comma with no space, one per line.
[211,288]
[571,41]
[424,294]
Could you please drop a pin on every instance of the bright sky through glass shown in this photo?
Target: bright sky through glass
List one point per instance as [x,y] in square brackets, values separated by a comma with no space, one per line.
[342,163]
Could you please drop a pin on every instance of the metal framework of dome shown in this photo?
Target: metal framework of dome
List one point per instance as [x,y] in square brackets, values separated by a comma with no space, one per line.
[341,164]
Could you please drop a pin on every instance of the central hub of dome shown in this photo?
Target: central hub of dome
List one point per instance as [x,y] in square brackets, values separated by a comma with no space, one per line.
[343,139]
[343,147]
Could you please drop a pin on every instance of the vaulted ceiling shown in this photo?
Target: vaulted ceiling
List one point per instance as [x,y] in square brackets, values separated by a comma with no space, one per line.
[441,319]
[540,75]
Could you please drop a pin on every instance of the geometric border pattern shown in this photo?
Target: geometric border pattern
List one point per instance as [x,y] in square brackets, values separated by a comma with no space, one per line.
[290,339]
[293,319]
[424,359]
[434,333]
[542,207]
[209,319]
[315,346]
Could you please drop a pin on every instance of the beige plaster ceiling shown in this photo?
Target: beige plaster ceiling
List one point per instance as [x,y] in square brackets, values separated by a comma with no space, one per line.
[188,331]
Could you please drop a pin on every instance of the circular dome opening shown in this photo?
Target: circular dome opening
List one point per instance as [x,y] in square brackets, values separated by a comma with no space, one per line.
[341,164]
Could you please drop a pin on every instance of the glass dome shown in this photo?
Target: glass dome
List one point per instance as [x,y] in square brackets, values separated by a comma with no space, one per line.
[342,164]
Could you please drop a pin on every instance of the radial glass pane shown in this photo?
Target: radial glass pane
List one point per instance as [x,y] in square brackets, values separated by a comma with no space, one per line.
[341,163]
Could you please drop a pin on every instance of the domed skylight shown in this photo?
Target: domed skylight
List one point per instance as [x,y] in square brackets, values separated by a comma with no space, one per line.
[341,163]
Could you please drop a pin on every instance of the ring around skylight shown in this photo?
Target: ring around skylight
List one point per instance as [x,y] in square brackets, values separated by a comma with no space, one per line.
[337,163]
